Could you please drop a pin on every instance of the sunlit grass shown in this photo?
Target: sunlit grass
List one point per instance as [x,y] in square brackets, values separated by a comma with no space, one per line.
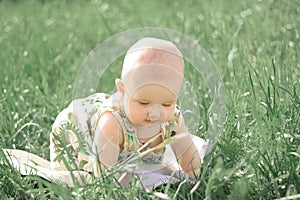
[255,45]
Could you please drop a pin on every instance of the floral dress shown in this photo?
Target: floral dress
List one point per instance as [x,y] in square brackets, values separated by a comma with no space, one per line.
[71,139]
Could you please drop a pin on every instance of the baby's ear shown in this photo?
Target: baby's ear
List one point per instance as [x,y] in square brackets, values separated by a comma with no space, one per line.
[120,86]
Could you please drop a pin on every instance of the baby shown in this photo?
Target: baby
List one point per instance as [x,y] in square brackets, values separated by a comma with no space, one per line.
[141,118]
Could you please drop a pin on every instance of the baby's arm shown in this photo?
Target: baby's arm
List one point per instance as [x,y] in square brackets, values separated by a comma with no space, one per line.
[108,139]
[186,152]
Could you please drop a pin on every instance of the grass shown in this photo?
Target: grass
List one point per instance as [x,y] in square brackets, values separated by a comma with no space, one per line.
[255,45]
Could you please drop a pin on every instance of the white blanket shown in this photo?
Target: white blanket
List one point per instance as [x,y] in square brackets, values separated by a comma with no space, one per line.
[150,176]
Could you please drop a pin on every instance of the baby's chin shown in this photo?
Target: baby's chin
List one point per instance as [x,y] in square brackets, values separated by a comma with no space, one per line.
[148,130]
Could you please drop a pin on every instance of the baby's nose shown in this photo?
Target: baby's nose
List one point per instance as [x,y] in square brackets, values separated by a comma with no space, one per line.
[156,112]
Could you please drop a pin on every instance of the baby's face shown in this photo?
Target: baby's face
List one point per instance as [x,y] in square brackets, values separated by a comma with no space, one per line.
[151,104]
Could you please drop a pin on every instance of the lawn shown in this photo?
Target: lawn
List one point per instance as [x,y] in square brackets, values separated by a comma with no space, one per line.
[255,45]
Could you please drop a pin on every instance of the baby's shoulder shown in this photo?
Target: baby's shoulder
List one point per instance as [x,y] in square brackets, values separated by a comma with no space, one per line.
[108,122]
[109,127]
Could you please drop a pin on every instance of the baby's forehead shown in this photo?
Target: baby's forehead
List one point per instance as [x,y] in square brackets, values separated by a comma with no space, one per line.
[164,56]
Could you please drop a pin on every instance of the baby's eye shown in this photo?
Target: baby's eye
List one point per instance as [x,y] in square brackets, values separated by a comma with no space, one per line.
[166,104]
[144,102]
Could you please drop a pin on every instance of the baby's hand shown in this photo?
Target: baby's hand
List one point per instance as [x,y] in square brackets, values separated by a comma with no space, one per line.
[187,154]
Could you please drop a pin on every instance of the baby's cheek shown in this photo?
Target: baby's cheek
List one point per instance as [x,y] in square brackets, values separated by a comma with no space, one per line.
[141,113]
[137,115]
[170,115]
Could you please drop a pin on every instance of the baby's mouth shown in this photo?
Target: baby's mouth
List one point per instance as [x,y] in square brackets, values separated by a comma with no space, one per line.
[153,121]
[149,121]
